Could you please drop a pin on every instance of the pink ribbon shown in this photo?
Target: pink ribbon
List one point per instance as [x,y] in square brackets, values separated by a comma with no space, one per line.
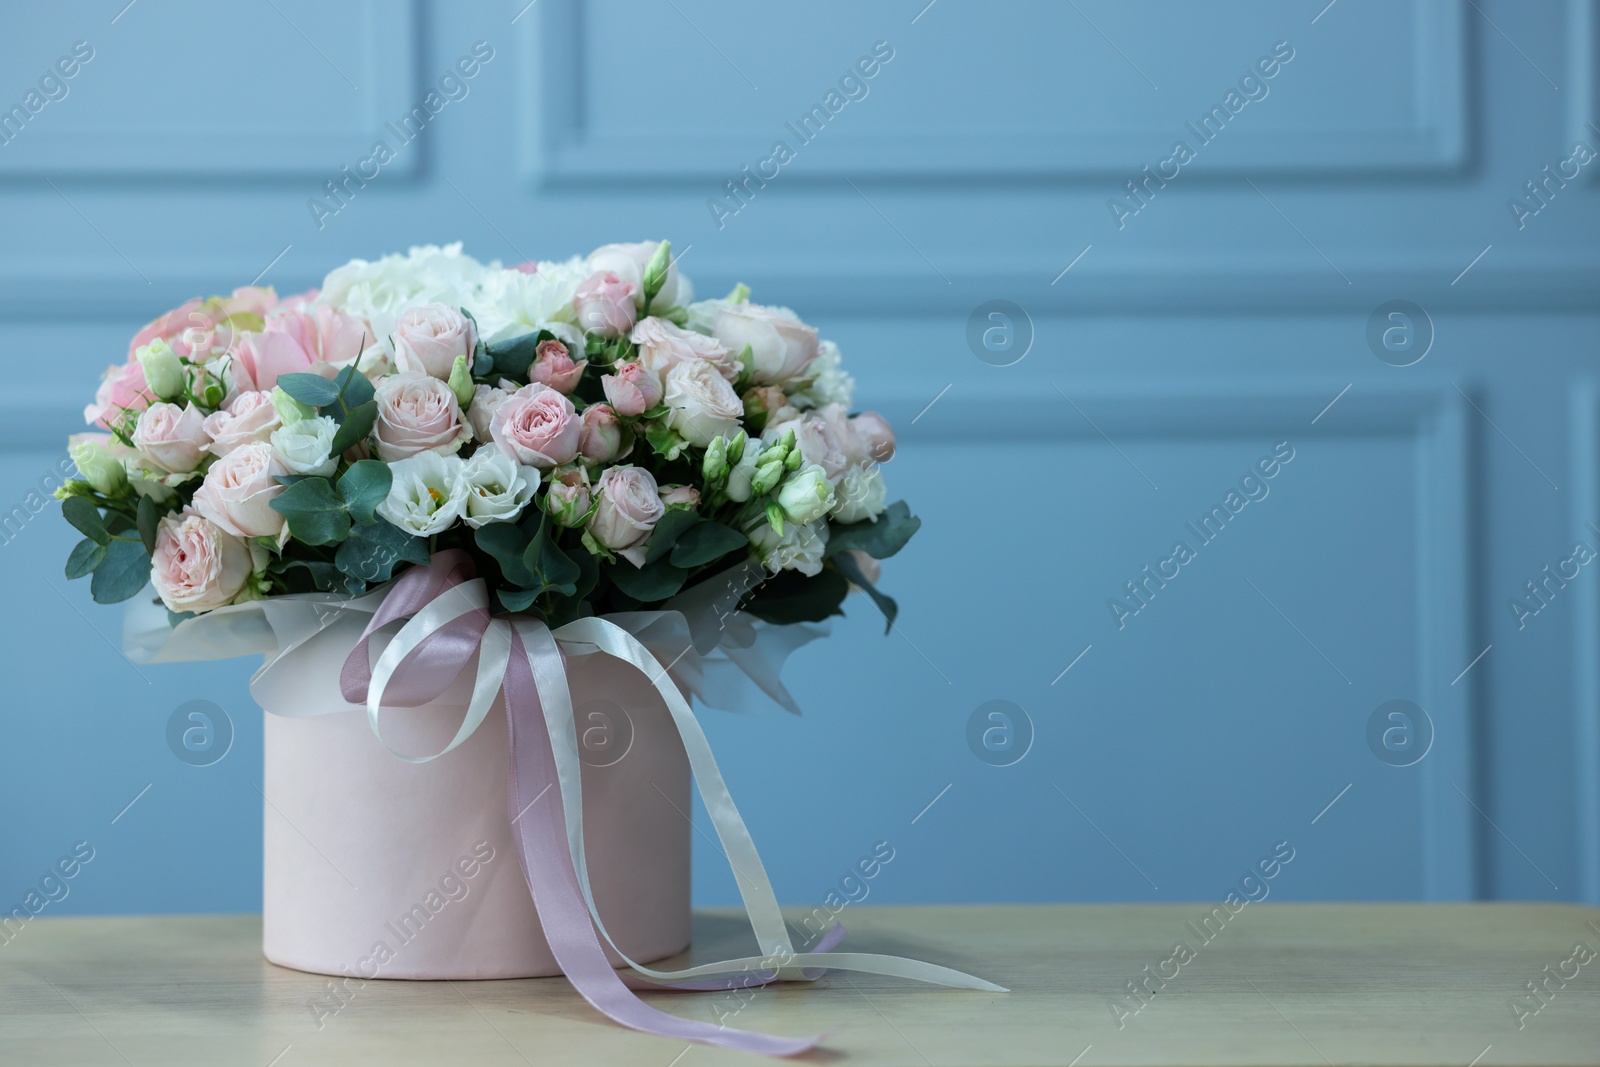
[541,838]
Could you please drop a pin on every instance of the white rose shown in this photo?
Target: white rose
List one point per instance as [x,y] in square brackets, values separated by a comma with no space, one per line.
[428,493]
[806,495]
[703,404]
[486,400]
[860,495]
[798,548]
[497,487]
[305,447]
[781,346]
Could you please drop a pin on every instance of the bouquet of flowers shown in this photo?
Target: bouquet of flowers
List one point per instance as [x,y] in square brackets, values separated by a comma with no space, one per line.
[591,435]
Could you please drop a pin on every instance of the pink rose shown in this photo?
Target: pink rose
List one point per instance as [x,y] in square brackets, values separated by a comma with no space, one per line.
[780,346]
[663,345]
[631,388]
[630,506]
[170,437]
[427,340]
[674,496]
[249,418]
[120,388]
[628,261]
[703,405]
[167,327]
[875,435]
[552,366]
[537,427]
[600,440]
[569,497]
[604,303]
[260,359]
[238,490]
[197,565]
[418,413]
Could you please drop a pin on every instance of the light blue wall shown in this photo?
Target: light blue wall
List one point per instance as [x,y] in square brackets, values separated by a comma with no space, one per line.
[1219,320]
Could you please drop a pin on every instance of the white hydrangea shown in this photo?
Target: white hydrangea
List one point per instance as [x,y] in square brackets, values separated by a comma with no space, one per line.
[380,291]
[827,383]
[510,303]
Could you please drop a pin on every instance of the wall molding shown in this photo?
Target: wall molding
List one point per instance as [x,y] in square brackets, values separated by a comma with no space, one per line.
[1585,416]
[558,148]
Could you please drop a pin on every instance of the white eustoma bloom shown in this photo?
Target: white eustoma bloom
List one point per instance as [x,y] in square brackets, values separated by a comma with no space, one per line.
[860,495]
[806,495]
[305,447]
[798,548]
[497,486]
[428,493]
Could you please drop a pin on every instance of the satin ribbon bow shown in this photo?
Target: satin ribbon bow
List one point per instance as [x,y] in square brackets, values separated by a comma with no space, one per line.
[449,622]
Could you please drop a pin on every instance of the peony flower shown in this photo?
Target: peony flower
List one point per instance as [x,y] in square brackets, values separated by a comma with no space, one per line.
[780,345]
[604,304]
[662,346]
[305,447]
[170,437]
[249,418]
[798,548]
[631,388]
[428,493]
[428,338]
[417,413]
[537,427]
[260,359]
[860,495]
[197,565]
[497,487]
[238,491]
[806,495]
[568,497]
[630,506]
[600,439]
[628,261]
[329,335]
[552,366]
[121,388]
[703,405]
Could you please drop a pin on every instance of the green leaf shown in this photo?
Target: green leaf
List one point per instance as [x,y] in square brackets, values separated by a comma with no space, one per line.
[364,486]
[851,569]
[122,574]
[552,568]
[650,583]
[319,576]
[85,557]
[314,510]
[790,596]
[354,428]
[149,518]
[879,539]
[81,512]
[668,529]
[373,549]
[517,599]
[354,391]
[312,389]
[512,358]
[664,441]
[705,542]
[506,542]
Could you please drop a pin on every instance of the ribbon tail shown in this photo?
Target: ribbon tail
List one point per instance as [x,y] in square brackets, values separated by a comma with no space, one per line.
[553,880]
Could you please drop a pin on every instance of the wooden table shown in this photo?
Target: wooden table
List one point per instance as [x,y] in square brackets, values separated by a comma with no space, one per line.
[1280,984]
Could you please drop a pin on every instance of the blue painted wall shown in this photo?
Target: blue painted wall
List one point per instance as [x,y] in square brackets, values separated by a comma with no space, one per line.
[1175,335]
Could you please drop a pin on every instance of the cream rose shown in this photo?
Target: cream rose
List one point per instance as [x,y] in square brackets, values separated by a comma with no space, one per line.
[170,437]
[780,345]
[418,413]
[628,261]
[537,427]
[427,340]
[662,346]
[629,508]
[703,405]
[197,565]
[238,491]
[250,417]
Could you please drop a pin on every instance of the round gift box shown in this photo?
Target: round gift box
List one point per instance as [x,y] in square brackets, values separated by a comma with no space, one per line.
[379,868]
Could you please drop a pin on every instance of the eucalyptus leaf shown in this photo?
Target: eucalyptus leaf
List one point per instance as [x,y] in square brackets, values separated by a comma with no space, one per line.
[85,557]
[648,584]
[669,528]
[506,542]
[851,569]
[364,486]
[705,542]
[517,599]
[312,389]
[149,518]
[354,427]
[123,572]
[512,358]
[790,596]
[315,513]
[354,391]
[82,513]
[373,549]
[880,538]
